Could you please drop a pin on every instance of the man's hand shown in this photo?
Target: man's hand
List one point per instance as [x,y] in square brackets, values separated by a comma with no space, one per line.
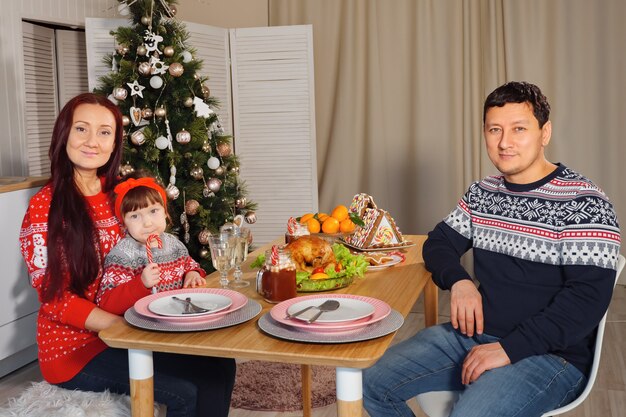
[466,308]
[483,358]
[150,276]
[193,279]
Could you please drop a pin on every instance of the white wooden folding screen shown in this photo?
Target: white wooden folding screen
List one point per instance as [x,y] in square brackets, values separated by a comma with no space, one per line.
[266,75]
[71,64]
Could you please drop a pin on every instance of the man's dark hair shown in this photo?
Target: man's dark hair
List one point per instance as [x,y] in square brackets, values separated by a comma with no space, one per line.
[519,92]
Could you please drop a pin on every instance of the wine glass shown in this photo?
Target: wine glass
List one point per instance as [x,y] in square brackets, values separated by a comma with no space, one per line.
[241,239]
[222,256]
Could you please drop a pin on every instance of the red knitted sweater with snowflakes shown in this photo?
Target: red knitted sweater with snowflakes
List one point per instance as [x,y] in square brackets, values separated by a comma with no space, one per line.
[65,345]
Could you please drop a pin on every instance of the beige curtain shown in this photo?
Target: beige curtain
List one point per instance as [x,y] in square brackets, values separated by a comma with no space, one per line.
[400,86]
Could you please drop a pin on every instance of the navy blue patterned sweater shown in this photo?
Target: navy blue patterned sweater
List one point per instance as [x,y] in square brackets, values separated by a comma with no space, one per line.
[545,255]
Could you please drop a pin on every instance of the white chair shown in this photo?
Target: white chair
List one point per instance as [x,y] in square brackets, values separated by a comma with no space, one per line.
[440,403]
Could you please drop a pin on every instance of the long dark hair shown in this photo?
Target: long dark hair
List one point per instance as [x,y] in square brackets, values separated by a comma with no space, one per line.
[73,246]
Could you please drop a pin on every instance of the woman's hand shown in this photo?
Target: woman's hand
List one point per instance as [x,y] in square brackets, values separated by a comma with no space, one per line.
[99,319]
[193,279]
[466,308]
[151,275]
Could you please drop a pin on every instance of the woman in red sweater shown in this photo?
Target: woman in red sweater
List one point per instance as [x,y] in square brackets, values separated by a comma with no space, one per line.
[67,231]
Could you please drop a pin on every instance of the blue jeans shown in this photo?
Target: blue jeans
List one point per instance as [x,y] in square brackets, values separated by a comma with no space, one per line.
[432,361]
[190,386]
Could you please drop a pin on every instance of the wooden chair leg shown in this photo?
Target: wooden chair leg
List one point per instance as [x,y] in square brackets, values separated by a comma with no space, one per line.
[306,390]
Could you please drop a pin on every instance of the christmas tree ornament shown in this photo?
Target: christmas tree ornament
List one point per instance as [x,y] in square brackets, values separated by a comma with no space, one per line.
[145,20]
[135,115]
[147,113]
[250,217]
[120,93]
[152,40]
[144,68]
[173,176]
[158,67]
[234,169]
[112,99]
[240,202]
[142,50]
[201,108]
[176,69]
[203,253]
[122,49]
[197,173]
[172,192]
[183,137]
[192,207]
[160,112]
[123,9]
[224,149]
[136,89]
[168,51]
[187,57]
[138,138]
[126,169]
[213,162]
[173,10]
[125,120]
[214,184]
[206,192]
[156,82]
[204,236]
[220,170]
[188,102]
[206,147]
[161,142]
[206,92]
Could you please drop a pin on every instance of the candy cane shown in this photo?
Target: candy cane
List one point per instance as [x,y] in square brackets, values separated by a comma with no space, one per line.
[291,226]
[274,255]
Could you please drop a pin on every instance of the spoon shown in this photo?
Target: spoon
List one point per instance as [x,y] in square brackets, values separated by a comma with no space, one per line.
[328,305]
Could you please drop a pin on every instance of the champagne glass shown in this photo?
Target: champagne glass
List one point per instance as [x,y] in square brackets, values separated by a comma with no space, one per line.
[222,256]
[241,239]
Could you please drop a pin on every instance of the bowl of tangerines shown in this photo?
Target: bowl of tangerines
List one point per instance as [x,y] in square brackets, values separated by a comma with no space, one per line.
[339,223]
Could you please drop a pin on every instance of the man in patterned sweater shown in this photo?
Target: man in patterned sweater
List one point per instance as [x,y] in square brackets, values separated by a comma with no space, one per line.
[545,242]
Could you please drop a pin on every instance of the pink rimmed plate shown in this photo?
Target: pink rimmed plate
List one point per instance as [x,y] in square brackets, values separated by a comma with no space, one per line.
[238,301]
[381,310]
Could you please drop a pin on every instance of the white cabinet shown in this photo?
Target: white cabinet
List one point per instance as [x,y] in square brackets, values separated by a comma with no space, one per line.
[18,299]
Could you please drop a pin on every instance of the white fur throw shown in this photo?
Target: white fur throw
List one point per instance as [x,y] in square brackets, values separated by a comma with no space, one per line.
[45,400]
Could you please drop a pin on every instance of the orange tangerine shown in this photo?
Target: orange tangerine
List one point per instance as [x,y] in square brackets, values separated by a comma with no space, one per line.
[305,218]
[322,217]
[313,225]
[330,225]
[347,226]
[340,212]
[319,275]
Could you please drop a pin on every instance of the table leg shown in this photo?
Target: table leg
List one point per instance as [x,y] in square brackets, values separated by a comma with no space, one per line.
[141,371]
[306,390]
[431,303]
[349,392]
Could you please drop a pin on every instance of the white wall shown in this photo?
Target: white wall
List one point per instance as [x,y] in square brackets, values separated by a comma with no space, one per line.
[13,155]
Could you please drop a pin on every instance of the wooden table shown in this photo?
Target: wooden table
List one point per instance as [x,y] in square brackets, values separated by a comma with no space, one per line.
[400,286]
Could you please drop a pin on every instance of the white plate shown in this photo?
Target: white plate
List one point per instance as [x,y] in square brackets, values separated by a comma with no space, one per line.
[166,306]
[349,310]
[396,260]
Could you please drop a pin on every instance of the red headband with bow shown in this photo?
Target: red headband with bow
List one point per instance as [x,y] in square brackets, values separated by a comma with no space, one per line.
[122,188]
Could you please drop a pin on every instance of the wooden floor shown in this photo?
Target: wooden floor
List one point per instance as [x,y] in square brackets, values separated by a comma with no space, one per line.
[608,398]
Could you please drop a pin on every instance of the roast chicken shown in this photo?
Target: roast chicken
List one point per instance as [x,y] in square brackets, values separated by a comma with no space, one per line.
[309,252]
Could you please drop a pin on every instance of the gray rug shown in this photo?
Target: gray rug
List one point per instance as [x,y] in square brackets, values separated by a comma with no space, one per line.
[271,386]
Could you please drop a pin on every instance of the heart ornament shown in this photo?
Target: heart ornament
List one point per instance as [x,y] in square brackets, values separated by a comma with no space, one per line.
[135,115]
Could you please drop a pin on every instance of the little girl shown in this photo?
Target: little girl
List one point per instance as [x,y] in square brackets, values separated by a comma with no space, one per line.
[129,273]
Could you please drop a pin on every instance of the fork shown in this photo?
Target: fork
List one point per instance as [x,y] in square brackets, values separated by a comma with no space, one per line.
[190,307]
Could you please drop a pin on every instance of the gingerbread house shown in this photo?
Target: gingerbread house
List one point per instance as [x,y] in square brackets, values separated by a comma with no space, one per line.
[380,228]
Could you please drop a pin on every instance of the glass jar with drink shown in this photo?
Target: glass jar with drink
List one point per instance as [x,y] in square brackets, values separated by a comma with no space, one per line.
[276,281]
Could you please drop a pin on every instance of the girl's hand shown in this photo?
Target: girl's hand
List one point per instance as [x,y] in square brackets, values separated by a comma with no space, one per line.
[151,275]
[193,279]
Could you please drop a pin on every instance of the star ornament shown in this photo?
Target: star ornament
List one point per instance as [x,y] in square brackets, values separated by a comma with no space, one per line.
[136,89]
[201,108]
[158,66]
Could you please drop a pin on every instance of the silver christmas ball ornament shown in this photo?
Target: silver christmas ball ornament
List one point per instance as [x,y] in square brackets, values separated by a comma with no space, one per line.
[214,184]
[156,82]
[220,170]
[122,49]
[168,51]
[204,253]
[192,207]
[138,138]
[142,50]
[145,20]
[205,91]
[240,202]
[250,217]
[144,68]
[196,173]
[120,93]
[204,236]
[213,162]
[183,137]
[188,102]
[160,112]
[172,192]
[161,142]
[125,120]
[176,69]
[187,57]
[147,113]
[123,9]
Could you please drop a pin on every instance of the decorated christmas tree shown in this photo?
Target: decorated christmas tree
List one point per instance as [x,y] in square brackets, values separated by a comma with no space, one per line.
[171,127]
